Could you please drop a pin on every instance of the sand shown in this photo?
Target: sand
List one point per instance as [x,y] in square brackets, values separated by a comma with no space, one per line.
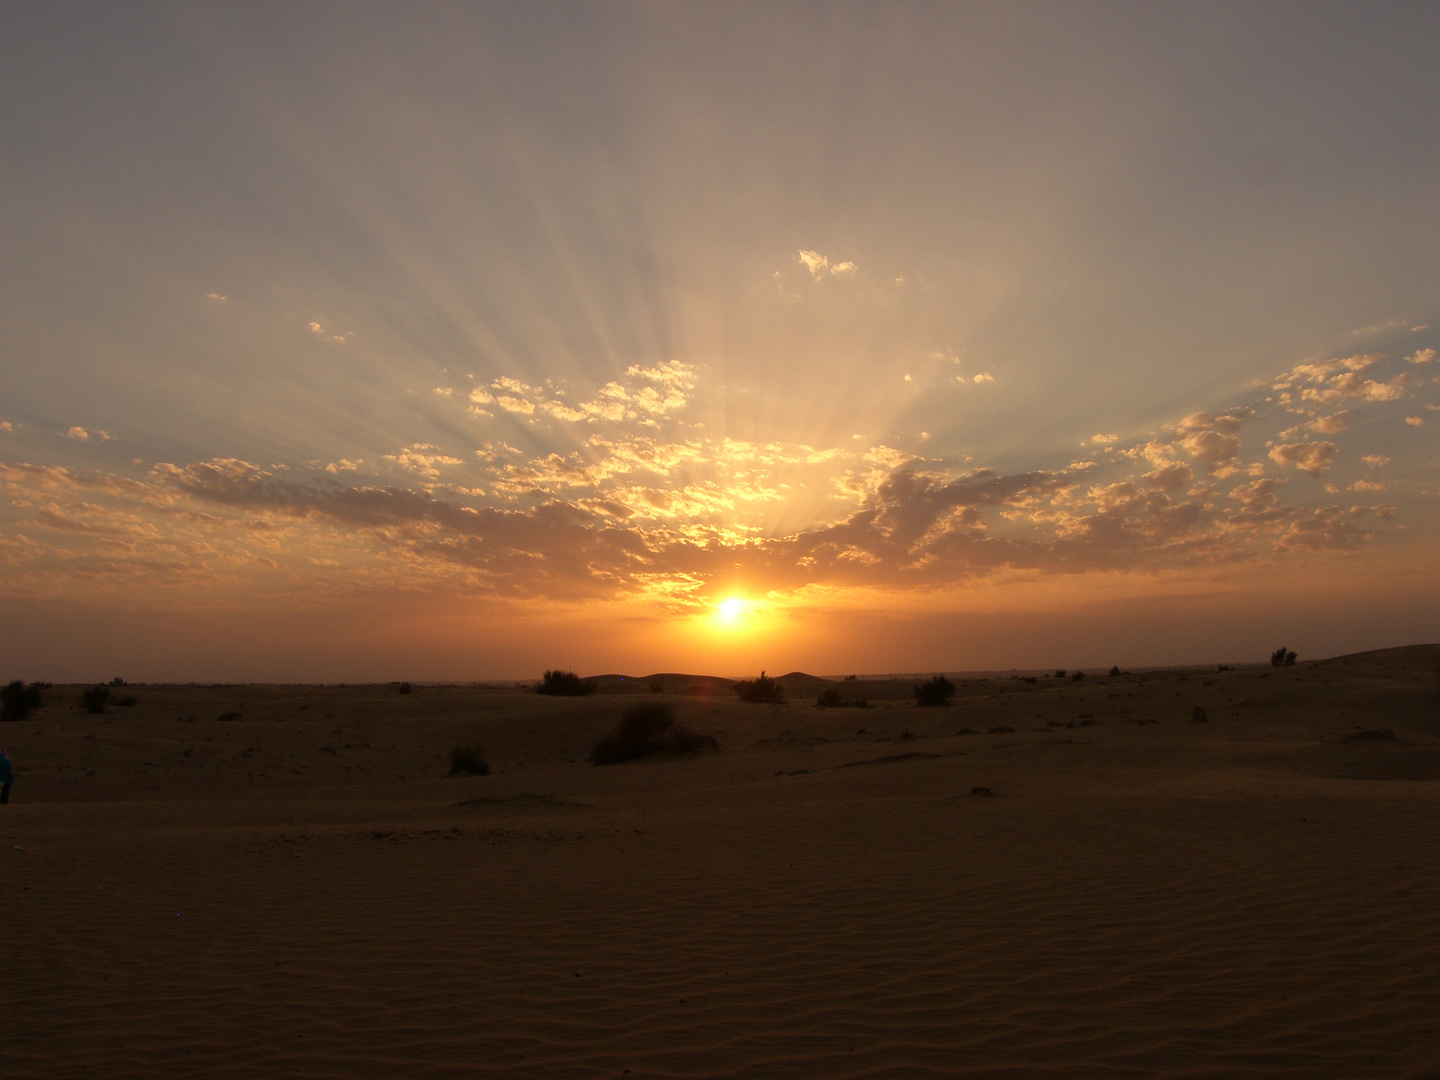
[303,892]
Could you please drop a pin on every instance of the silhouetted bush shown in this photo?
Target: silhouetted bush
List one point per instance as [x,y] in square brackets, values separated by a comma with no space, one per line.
[126,701]
[469,761]
[405,688]
[18,701]
[1198,715]
[829,699]
[95,699]
[1281,658]
[117,681]
[938,691]
[564,684]
[764,690]
[657,687]
[1079,676]
[1115,670]
[1059,673]
[647,729]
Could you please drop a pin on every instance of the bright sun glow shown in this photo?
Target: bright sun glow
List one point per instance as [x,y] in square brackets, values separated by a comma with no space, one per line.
[730,609]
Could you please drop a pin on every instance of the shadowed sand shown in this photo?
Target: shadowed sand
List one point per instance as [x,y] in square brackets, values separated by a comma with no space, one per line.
[302,892]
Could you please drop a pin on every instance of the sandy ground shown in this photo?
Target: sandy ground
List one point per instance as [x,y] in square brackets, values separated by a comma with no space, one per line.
[301,891]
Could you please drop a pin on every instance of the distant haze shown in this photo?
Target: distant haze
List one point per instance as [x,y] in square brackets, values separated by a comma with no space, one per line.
[360,341]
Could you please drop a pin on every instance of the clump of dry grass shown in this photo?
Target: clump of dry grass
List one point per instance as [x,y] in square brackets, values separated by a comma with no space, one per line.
[469,761]
[648,729]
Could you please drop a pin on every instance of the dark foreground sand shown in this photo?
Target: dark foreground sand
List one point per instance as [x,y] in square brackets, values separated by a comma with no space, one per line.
[301,892]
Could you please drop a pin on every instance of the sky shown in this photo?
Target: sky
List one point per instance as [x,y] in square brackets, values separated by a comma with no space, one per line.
[361,342]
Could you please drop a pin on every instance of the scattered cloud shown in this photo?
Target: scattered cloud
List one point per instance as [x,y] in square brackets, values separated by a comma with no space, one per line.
[316,328]
[1376,461]
[1104,440]
[1415,421]
[422,459]
[1421,356]
[78,433]
[820,266]
[1309,457]
[984,377]
[1330,425]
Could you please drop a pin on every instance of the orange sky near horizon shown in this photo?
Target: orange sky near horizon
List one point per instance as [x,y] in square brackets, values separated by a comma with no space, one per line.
[473,342]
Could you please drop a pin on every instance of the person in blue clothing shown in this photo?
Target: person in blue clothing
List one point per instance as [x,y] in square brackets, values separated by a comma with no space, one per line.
[7,777]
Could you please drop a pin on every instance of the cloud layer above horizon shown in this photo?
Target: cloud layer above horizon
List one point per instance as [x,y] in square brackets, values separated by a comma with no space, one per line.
[659,305]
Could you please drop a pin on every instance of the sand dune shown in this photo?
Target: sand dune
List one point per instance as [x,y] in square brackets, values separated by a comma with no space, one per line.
[301,891]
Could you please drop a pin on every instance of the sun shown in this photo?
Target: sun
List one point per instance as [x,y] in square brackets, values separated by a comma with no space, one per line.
[730,609]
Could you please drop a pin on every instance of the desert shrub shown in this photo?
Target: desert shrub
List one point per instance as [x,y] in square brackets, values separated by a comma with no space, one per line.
[126,701]
[1115,670]
[647,729]
[1198,715]
[657,687]
[765,690]
[938,691]
[117,681]
[829,699]
[469,761]
[564,684]
[1059,673]
[18,701]
[1282,657]
[405,688]
[1079,676]
[95,699]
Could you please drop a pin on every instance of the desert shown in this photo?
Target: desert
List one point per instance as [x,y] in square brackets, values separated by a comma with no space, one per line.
[1171,872]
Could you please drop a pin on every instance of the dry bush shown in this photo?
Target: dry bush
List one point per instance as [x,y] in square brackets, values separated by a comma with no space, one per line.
[563,684]
[469,761]
[764,690]
[645,730]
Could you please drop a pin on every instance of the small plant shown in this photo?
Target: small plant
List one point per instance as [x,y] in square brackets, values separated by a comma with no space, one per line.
[1198,715]
[1059,673]
[764,690]
[938,691]
[117,681]
[657,687]
[829,699]
[469,761]
[95,699]
[564,684]
[405,688]
[1079,676]
[647,729]
[1115,670]
[126,701]
[1282,658]
[17,701]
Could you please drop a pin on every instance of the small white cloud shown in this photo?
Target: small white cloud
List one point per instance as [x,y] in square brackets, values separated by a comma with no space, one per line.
[924,435]
[78,432]
[444,391]
[1417,329]
[908,378]
[344,465]
[1329,425]
[1415,421]
[819,265]
[1368,485]
[316,328]
[217,296]
[1105,439]
[1376,461]
[1421,356]
[1310,457]
[5,425]
[984,377]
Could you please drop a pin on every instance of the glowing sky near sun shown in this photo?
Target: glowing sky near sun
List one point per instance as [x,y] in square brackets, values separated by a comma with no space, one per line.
[356,341]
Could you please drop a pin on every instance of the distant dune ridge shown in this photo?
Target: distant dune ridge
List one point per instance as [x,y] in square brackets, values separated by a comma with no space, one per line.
[238,881]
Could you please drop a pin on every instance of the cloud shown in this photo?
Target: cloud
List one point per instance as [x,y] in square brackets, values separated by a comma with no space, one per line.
[422,459]
[1170,478]
[820,266]
[1376,461]
[316,328]
[5,425]
[444,391]
[1421,356]
[984,377]
[1415,421]
[1309,457]
[79,433]
[1330,425]
[1104,440]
